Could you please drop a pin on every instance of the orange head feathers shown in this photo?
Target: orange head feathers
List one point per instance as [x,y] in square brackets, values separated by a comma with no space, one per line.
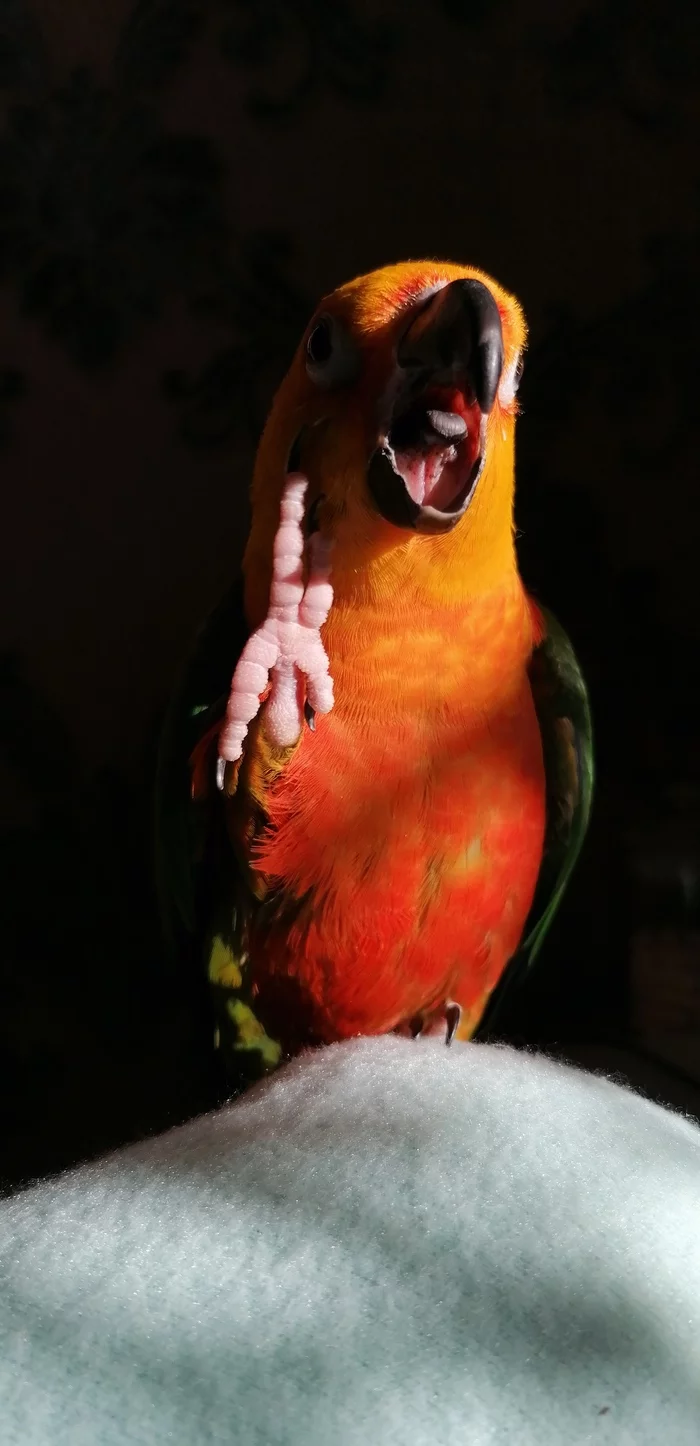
[400,408]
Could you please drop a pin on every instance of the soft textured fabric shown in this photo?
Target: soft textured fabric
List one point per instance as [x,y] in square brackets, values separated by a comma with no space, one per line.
[391,1243]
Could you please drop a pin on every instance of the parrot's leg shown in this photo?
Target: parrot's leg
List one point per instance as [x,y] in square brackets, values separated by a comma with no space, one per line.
[287,648]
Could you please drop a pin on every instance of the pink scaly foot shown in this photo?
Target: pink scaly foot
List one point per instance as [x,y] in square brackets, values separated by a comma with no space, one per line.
[287,648]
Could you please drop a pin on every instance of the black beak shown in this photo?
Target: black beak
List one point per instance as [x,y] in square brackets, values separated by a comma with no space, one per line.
[455,342]
[457,335]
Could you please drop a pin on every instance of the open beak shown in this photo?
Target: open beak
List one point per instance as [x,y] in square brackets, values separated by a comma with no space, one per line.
[424,471]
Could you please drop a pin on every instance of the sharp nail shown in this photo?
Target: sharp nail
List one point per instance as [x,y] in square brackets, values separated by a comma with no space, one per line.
[416,1026]
[310,716]
[220,773]
[453,1014]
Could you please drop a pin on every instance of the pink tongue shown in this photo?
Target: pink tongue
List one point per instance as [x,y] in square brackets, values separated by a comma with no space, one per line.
[422,472]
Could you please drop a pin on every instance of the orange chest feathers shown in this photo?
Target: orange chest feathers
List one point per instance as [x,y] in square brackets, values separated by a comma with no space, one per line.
[411,821]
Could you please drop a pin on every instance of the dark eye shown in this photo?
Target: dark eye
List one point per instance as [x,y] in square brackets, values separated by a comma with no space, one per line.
[320,344]
[332,359]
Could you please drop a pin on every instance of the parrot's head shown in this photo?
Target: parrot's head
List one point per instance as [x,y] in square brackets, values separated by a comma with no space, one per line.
[400,407]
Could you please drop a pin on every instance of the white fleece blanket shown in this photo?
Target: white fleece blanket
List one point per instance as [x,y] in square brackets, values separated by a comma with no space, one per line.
[389,1243]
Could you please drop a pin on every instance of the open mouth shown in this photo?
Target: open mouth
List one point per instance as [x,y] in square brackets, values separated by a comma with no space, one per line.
[434,448]
[425,469]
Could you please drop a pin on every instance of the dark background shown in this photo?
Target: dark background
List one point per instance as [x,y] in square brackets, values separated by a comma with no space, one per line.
[179,182]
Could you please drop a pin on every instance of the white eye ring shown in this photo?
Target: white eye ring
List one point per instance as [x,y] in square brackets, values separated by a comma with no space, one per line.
[332,359]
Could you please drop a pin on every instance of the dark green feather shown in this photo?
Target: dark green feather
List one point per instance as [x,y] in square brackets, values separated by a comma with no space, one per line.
[205,902]
[563,711]
[184,830]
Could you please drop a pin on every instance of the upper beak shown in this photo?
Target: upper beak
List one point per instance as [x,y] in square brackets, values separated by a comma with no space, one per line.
[458,336]
[453,346]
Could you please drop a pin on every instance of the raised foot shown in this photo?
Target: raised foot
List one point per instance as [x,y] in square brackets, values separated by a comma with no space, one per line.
[287,649]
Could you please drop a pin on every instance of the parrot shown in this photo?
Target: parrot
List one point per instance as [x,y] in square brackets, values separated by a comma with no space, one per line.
[376,773]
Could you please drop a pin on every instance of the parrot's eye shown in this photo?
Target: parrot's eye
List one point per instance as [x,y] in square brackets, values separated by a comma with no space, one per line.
[319,347]
[331,356]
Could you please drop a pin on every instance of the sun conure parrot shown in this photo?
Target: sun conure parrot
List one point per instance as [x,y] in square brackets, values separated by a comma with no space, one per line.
[377,773]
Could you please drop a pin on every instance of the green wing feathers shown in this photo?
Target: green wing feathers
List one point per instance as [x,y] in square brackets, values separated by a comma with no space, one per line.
[561,701]
[185,831]
[563,711]
[206,905]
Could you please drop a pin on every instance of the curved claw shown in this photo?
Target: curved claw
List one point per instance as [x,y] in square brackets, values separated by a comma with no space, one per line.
[453,1014]
[435,1021]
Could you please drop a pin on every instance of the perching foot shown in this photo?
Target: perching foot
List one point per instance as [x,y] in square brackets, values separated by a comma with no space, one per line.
[444,1021]
[286,650]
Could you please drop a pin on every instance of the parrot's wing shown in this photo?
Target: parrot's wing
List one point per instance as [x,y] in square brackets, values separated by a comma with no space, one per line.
[206,902]
[561,701]
[189,834]
[563,711]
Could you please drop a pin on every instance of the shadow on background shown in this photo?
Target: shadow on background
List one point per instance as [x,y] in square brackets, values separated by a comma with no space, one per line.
[180,181]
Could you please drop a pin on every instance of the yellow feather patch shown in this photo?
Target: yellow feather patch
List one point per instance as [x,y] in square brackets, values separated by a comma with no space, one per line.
[223,968]
[251,1035]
